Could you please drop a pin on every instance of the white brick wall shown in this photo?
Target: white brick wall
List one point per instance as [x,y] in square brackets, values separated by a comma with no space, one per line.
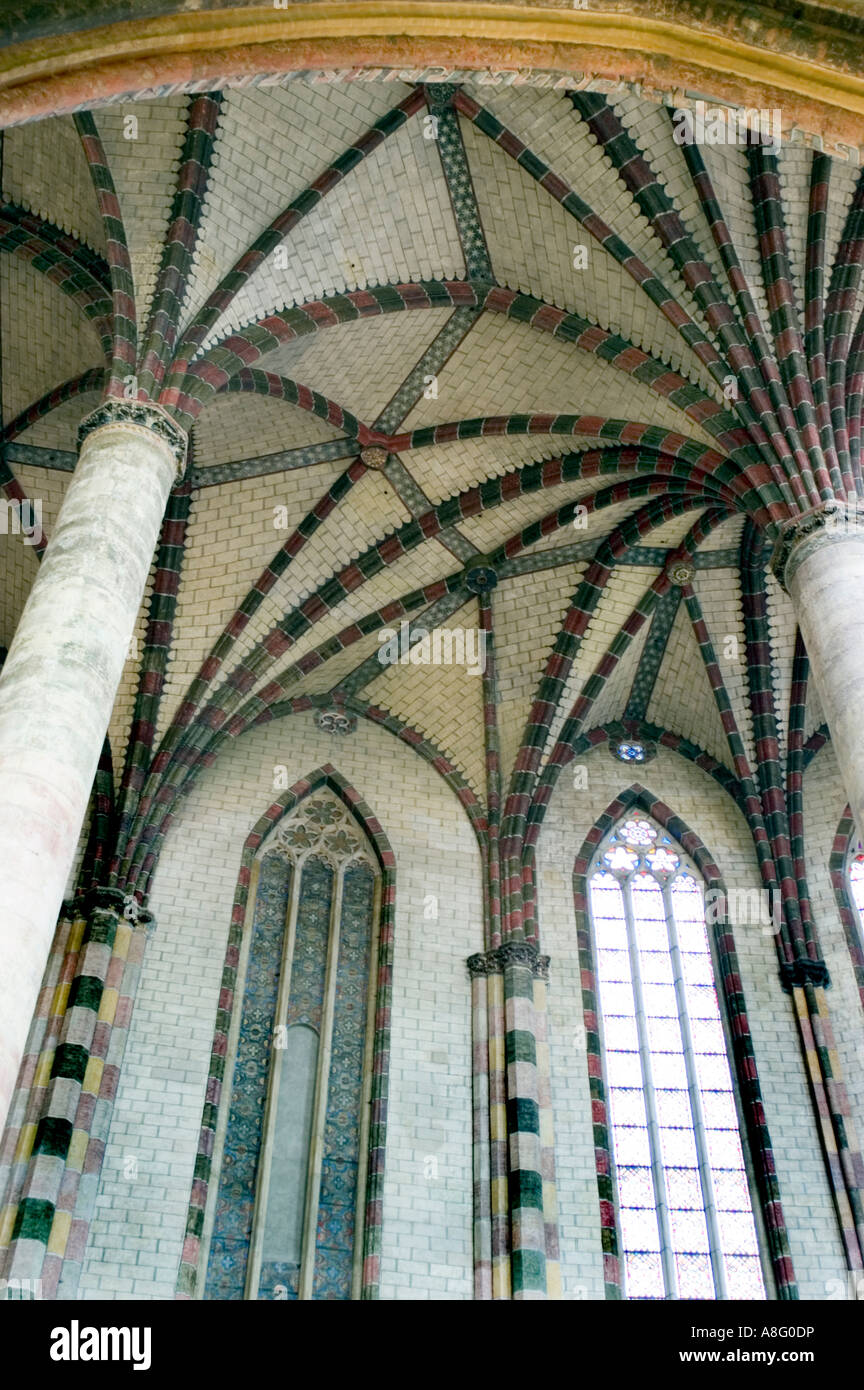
[137,1233]
[824,803]
[816,1249]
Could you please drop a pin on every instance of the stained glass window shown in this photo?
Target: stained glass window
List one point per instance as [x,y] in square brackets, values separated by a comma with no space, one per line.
[684,1209]
[630,752]
[856,880]
[291,1199]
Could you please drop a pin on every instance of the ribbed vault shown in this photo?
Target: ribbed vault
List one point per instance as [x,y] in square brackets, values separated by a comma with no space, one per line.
[415,331]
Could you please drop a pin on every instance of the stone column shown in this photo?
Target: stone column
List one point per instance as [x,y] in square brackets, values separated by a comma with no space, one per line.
[59,682]
[819,560]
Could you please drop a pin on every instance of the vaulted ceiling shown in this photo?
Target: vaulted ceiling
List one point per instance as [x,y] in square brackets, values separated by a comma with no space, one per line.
[415,332]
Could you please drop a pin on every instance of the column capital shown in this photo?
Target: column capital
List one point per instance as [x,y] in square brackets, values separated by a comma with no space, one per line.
[145,415]
[834,520]
[797,973]
[511,953]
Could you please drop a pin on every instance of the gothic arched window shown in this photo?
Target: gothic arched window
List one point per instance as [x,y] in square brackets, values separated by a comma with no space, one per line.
[856,880]
[291,1198]
[684,1210]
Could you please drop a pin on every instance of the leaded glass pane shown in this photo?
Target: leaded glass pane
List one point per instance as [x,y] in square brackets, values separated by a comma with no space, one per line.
[673,1119]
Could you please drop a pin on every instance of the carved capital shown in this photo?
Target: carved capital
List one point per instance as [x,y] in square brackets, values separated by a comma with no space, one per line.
[512,953]
[833,521]
[797,973]
[143,414]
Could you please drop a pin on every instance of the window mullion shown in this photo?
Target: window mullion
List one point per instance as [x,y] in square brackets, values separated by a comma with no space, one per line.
[706,1180]
[322,1086]
[666,1251]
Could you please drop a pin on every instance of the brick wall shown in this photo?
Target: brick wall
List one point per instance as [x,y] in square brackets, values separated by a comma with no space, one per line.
[137,1234]
[824,803]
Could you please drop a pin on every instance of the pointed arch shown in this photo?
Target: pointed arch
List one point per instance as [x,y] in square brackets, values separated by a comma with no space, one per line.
[325,776]
[637,796]
[846,836]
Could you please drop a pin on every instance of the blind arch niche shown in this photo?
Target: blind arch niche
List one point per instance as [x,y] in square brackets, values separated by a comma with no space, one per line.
[291,1199]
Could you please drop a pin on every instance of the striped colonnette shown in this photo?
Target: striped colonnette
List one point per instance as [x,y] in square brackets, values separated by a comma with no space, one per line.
[28,1099]
[74,1066]
[481,1131]
[841,1161]
[517,1217]
[795,755]
[742,1045]
[81,1187]
[519,962]
[325,775]
[547,1131]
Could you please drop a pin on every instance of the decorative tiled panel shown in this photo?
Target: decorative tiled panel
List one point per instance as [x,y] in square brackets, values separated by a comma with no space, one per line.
[235,1203]
[335,1237]
[315,844]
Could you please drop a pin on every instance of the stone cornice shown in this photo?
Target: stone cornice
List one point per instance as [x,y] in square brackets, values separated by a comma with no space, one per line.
[144,415]
[806,62]
[831,522]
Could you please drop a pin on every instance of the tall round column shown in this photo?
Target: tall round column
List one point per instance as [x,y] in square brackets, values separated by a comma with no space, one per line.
[820,562]
[59,682]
